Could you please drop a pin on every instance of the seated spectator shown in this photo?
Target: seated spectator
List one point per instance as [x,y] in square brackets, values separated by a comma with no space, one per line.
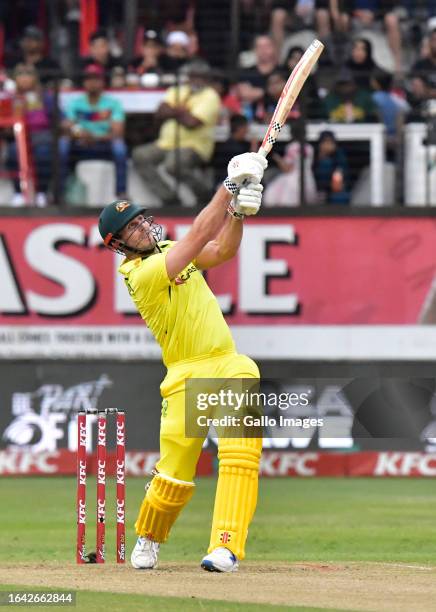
[236,144]
[287,15]
[426,67]
[32,54]
[37,107]
[186,140]
[265,108]
[310,89]
[94,127]
[100,55]
[230,103]
[332,14]
[252,81]
[176,53]
[361,63]
[149,60]
[330,168]
[391,108]
[285,189]
[367,11]
[418,95]
[348,104]
[363,13]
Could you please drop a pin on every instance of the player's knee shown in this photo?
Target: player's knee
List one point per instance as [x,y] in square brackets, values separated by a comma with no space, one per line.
[164,499]
[240,453]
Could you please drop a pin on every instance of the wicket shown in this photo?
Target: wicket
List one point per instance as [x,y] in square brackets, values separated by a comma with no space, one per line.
[81,556]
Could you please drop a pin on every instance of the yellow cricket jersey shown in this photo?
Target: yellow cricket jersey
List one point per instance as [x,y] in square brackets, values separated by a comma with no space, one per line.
[183,314]
[205,105]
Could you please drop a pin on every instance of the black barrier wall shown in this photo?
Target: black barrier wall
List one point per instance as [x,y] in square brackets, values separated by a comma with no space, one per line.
[384,406]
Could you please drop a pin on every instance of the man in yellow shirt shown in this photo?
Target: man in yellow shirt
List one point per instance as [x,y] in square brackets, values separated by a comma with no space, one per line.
[186,138]
[164,281]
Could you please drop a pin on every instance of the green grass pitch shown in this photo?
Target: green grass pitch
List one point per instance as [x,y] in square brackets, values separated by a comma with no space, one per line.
[297,520]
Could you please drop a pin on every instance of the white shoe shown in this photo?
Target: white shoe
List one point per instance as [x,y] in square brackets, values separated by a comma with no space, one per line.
[220,560]
[145,553]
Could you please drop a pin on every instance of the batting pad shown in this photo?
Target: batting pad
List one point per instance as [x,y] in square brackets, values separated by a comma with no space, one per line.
[163,501]
[236,494]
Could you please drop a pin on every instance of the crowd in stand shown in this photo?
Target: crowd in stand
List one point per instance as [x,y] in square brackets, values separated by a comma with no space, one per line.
[379,66]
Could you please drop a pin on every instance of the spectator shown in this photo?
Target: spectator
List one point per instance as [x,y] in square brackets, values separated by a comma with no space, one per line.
[426,67]
[100,55]
[252,81]
[330,13]
[32,54]
[37,108]
[94,127]
[176,53]
[418,96]
[310,90]
[150,58]
[236,144]
[363,13]
[348,104]
[264,109]
[186,139]
[330,168]
[285,189]
[366,12]
[391,108]
[230,103]
[361,63]
[285,14]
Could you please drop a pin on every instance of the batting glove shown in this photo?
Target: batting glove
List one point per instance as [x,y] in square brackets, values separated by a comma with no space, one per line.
[248,166]
[247,202]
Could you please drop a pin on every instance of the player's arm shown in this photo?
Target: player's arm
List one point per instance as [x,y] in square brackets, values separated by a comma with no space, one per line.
[248,166]
[223,247]
[226,244]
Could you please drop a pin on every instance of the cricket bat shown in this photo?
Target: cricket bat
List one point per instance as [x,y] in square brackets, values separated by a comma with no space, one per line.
[290,93]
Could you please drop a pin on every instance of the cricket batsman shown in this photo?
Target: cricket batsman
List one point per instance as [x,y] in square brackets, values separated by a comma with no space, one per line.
[164,281]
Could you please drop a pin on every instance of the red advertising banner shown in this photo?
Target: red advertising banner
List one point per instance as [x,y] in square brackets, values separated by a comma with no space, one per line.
[369,463]
[63,462]
[356,279]
[273,464]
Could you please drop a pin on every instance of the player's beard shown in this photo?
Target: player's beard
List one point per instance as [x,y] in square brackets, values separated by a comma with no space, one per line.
[151,234]
[148,250]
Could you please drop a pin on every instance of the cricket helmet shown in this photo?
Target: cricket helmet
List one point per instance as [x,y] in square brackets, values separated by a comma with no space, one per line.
[115,216]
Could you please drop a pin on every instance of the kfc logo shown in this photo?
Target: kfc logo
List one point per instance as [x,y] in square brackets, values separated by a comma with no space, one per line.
[82,512]
[120,472]
[120,511]
[120,434]
[101,510]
